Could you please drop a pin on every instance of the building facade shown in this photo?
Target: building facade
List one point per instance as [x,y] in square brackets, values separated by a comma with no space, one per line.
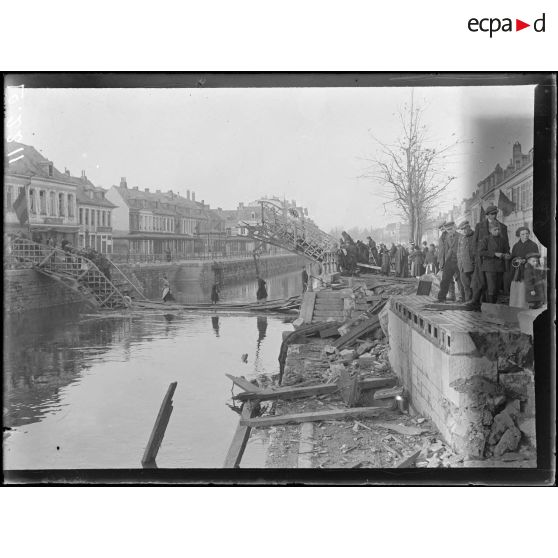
[515,182]
[51,197]
[160,225]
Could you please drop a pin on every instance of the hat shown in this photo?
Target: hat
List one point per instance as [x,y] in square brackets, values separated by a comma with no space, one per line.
[491,209]
[449,224]
[518,231]
[532,255]
[441,225]
[463,224]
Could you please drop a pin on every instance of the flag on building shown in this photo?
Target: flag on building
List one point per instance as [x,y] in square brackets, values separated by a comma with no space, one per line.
[505,205]
[20,207]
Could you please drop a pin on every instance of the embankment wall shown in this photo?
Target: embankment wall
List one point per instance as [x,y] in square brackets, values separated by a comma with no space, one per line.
[26,289]
[149,275]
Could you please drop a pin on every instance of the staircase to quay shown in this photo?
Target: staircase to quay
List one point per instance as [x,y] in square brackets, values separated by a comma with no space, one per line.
[76,273]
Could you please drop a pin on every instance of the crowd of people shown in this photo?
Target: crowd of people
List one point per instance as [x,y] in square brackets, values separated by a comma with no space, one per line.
[482,266]
[475,265]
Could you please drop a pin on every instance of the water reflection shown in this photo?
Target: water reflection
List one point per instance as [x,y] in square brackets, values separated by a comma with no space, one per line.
[83,391]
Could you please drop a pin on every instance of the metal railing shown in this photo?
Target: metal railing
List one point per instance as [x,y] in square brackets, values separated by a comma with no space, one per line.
[163,258]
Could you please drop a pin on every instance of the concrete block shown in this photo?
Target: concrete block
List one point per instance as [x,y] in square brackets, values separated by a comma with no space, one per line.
[508,314]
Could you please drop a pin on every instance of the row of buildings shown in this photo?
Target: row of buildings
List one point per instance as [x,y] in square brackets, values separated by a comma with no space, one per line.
[124,221]
[510,189]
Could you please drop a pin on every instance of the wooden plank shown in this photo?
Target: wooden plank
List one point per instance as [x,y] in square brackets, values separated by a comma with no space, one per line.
[243,383]
[336,414]
[240,438]
[159,428]
[349,387]
[355,333]
[288,392]
[308,391]
[307,308]
[400,429]
[389,392]
[329,332]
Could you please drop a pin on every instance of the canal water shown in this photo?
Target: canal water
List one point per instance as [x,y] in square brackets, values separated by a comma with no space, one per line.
[83,390]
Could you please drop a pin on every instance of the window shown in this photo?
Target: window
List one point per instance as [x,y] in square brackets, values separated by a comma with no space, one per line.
[104,218]
[98,218]
[70,205]
[32,205]
[108,219]
[81,216]
[61,211]
[8,201]
[42,202]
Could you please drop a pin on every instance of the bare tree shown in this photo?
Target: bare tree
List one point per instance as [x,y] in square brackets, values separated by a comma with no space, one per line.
[412,172]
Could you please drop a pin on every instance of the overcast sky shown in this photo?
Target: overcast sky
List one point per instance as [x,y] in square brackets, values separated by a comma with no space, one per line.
[307,144]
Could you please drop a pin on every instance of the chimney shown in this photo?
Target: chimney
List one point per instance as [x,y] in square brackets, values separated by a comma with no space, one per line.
[147,190]
[193,196]
[83,177]
[203,202]
[123,183]
[219,209]
[157,191]
[136,188]
[66,171]
[171,194]
[187,194]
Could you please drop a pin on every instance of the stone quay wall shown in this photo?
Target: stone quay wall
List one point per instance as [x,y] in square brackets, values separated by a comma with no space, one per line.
[27,289]
[478,388]
[149,275]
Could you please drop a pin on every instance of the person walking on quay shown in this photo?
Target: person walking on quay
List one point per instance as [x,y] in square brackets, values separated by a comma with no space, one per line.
[261,293]
[482,231]
[386,260]
[304,279]
[466,258]
[494,251]
[401,261]
[448,262]
[373,256]
[441,244]
[431,259]
[524,246]
[215,293]
[417,261]
[166,295]
[535,281]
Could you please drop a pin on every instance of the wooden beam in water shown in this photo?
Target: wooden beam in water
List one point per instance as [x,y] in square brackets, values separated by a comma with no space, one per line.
[293,392]
[336,414]
[158,432]
[240,438]
[243,383]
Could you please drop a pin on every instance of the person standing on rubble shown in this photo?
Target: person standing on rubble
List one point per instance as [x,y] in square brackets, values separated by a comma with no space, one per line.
[535,281]
[494,251]
[386,261]
[466,258]
[417,261]
[431,260]
[519,253]
[448,262]
[482,231]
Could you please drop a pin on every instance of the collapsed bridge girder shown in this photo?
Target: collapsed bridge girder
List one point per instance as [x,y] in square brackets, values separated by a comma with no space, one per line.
[286,229]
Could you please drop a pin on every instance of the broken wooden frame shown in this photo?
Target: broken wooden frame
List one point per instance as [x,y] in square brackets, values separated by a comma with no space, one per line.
[158,432]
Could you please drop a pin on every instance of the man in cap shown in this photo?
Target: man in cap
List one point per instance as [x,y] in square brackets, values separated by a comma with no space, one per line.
[535,281]
[441,241]
[494,252]
[482,231]
[466,258]
[448,262]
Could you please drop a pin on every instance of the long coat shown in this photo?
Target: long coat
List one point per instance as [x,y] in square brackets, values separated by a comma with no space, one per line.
[466,252]
[448,249]
[520,250]
[489,246]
